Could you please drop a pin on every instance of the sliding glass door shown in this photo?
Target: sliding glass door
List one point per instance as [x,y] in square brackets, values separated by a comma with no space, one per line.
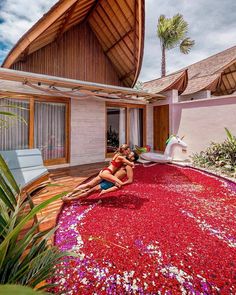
[125,124]
[116,128]
[40,123]
[14,130]
[136,127]
[49,129]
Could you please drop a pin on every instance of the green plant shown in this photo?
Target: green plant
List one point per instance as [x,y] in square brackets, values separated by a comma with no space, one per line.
[29,259]
[172,33]
[221,156]
[6,116]
[19,290]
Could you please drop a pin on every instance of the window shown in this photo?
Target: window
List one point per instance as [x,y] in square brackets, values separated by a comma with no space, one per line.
[42,123]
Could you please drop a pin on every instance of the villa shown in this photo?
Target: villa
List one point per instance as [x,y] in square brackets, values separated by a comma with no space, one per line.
[74,71]
[71,78]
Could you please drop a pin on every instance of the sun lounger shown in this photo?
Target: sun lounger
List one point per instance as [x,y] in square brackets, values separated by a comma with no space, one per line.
[27,167]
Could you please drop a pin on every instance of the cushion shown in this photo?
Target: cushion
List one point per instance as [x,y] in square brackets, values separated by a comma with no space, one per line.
[25,165]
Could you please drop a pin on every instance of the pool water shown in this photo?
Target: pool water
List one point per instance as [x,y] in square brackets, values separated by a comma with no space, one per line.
[173,231]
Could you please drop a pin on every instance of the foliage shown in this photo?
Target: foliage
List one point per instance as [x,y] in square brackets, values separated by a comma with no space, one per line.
[24,259]
[138,85]
[220,156]
[172,32]
[7,117]
[19,290]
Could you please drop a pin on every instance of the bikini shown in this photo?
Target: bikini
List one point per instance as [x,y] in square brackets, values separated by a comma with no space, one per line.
[115,164]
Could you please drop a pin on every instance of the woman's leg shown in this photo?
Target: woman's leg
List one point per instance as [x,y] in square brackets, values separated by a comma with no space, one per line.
[96,180]
[81,195]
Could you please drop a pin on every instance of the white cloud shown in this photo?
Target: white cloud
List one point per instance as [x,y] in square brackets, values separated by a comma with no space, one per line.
[18,16]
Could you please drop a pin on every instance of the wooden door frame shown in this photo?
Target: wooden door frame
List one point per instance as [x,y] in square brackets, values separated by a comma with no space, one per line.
[127,107]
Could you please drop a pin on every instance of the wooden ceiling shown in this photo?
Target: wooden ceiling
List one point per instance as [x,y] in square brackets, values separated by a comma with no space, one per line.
[117,24]
[227,83]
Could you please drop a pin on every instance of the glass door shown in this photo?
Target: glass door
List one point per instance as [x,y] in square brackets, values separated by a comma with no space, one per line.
[14,130]
[50,130]
[136,127]
[116,128]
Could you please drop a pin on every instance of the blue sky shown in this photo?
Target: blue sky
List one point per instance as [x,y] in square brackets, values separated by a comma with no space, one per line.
[212,24]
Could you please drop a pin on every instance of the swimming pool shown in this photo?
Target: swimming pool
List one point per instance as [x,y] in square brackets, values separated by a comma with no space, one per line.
[172,231]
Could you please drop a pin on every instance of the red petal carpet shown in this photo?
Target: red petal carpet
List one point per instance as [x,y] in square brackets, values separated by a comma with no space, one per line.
[171,232]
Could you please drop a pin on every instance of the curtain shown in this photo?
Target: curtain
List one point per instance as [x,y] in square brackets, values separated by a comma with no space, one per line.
[122,128]
[135,127]
[14,133]
[49,129]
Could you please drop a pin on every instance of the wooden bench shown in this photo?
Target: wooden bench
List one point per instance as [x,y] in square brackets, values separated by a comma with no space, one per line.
[27,168]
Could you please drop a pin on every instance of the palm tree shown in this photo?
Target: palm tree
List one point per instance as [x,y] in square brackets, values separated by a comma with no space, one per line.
[172,33]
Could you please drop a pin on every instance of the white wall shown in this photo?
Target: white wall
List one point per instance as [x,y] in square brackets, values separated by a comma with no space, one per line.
[203,121]
[87,131]
[198,95]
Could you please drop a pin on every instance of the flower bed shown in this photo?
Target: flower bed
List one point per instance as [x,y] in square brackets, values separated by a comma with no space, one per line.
[172,231]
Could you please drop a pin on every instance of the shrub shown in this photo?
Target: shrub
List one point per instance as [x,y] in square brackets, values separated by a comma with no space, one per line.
[27,260]
[219,156]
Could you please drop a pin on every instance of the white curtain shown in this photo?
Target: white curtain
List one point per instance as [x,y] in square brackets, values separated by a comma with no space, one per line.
[122,128]
[14,134]
[135,138]
[49,129]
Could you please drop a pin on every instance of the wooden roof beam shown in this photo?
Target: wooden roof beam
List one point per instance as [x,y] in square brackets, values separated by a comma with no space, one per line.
[119,40]
[127,75]
[66,20]
[91,10]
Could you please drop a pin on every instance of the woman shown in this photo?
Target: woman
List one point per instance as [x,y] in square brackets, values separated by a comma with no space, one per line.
[117,162]
[104,186]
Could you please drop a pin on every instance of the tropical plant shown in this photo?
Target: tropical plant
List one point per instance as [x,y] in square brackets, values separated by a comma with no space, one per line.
[220,156]
[19,290]
[6,116]
[172,33]
[28,259]
[138,85]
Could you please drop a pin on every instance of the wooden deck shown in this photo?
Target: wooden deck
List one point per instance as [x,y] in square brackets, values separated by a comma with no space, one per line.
[65,180]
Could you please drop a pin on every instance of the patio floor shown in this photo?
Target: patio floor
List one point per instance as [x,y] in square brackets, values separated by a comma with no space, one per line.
[66,179]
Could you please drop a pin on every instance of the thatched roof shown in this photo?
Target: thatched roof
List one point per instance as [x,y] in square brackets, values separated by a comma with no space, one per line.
[216,73]
[174,81]
[118,26]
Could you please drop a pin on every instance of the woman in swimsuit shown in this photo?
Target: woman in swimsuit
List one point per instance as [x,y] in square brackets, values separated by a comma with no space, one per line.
[104,186]
[118,160]
[106,173]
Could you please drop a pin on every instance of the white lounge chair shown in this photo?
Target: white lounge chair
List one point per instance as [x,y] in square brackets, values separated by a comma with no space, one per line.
[27,168]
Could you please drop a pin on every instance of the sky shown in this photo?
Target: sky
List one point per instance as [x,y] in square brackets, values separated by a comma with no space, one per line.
[212,24]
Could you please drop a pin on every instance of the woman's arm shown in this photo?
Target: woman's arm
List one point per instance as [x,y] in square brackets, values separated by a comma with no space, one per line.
[124,160]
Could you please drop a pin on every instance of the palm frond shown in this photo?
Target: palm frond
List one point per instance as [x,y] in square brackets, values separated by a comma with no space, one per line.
[186,45]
